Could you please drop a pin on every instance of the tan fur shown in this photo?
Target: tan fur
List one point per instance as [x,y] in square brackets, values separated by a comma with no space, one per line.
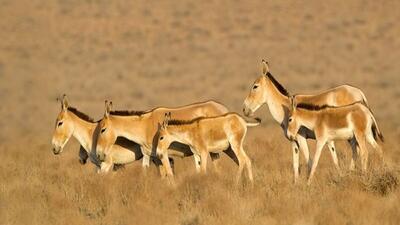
[266,92]
[143,128]
[205,135]
[69,124]
[351,122]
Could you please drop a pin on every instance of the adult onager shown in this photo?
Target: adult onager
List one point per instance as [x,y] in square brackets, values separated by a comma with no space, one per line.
[205,135]
[142,127]
[267,90]
[72,122]
[354,122]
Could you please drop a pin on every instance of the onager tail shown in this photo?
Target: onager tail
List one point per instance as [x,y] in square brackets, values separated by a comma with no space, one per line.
[375,129]
[253,123]
[364,100]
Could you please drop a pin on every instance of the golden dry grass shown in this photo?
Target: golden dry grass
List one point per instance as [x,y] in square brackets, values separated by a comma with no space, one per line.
[141,55]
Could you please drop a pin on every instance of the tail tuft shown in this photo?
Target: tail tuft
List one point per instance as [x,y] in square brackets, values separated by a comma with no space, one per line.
[376,133]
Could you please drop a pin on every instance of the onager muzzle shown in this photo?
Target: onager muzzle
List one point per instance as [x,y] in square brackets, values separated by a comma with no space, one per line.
[57,149]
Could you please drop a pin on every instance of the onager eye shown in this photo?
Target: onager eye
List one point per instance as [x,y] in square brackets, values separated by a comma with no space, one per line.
[255,87]
[161,138]
[60,123]
[290,119]
[103,130]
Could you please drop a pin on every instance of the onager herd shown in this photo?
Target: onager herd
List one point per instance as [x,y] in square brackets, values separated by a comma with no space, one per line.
[209,128]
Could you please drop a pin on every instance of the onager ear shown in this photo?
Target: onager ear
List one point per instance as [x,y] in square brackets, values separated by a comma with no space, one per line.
[293,103]
[64,102]
[108,105]
[166,119]
[265,66]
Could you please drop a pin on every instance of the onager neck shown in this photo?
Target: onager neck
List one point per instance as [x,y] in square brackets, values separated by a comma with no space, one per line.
[307,118]
[276,101]
[83,131]
[133,127]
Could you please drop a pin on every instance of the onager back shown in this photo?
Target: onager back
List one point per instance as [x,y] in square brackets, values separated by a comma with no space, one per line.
[354,122]
[206,135]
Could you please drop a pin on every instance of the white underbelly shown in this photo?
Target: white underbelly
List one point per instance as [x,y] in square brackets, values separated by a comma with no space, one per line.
[341,134]
[123,157]
[218,146]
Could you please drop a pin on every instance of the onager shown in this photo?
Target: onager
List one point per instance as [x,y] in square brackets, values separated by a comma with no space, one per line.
[267,90]
[205,135]
[354,122]
[72,122]
[142,127]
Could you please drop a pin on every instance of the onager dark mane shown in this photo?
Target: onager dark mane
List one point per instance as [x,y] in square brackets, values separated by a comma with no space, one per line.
[184,122]
[278,86]
[127,113]
[81,115]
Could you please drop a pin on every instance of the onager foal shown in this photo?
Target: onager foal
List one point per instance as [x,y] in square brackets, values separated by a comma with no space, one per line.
[354,122]
[205,135]
[71,122]
[267,90]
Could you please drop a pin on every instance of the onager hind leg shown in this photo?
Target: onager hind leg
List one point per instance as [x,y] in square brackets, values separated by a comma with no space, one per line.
[236,145]
[361,140]
[332,150]
[375,145]
[354,153]
[248,164]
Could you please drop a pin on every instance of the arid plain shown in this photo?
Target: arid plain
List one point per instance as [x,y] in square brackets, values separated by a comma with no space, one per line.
[143,54]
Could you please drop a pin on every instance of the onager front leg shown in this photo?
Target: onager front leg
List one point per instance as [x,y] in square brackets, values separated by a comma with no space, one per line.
[167,168]
[295,151]
[302,141]
[197,161]
[320,145]
[203,161]
[106,165]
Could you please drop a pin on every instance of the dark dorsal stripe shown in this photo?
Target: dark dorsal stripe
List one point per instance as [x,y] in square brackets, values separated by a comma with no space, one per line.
[183,122]
[127,113]
[313,107]
[278,86]
[81,115]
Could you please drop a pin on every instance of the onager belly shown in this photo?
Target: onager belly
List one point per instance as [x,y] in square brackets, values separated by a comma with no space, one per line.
[123,156]
[340,134]
[217,146]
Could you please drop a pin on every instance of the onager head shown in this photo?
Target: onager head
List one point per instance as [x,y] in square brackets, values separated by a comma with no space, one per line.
[257,96]
[64,127]
[164,138]
[106,136]
[293,123]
